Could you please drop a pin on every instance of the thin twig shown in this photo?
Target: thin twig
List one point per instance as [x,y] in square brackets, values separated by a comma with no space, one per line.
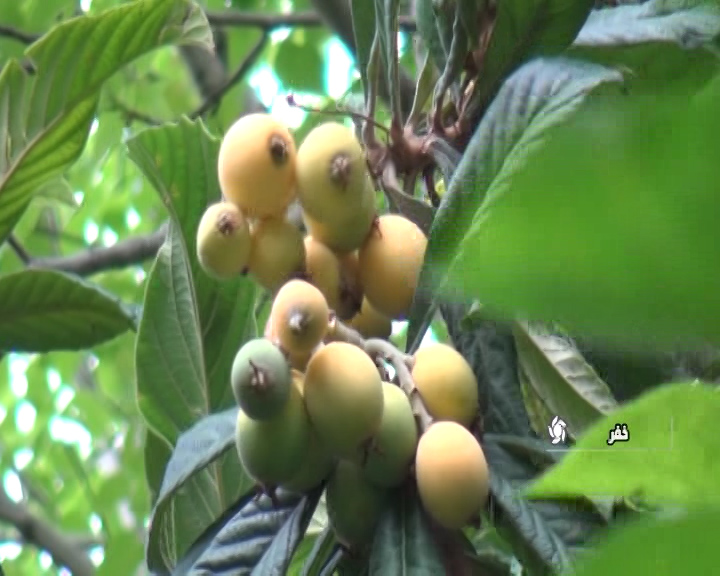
[131,114]
[19,249]
[271,21]
[19,35]
[236,77]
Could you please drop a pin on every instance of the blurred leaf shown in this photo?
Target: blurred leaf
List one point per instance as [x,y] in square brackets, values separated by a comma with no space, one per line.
[541,94]
[661,42]
[277,557]
[403,543]
[673,433]
[43,310]
[545,536]
[58,189]
[237,543]
[561,377]
[423,90]
[523,30]
[47,113]
[364,26]
[628,236]
[658,546]
[300,65]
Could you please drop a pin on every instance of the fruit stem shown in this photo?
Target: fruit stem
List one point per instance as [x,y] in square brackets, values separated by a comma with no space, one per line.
[402,363]
[382,349]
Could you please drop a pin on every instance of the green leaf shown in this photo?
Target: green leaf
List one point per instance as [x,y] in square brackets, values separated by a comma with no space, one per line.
[212,318]
[363,20]
[403,543]
[423,90]
[540,95]
[44,310]
[386,18]
[545,536]
[561,377]
[299,64]
[546,252]
[674,431]
[525,29]
[427,24]
[324,549]
[685,544]
[192,326]
[46,113]
[662,42]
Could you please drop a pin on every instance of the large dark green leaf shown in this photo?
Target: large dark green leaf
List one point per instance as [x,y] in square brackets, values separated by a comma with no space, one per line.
[192,326]
[277,557]
[525,29]
[545,536]
[299,64]
[43,310]
[403,542]
[540,95]
[561,378]
[670,456]
[684,544]
[46,114]
[662,42]
[236,545]
[628,257]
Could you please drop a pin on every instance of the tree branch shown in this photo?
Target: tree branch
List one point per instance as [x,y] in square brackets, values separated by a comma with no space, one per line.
[91,261]
[64,550]
[214,98]
[19,35]
[270,21]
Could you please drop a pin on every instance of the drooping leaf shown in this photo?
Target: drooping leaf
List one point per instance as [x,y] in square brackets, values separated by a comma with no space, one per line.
[43,310]
[427,25]
[626,237]
[561,377]
[545,536]
[661,42]
[192,323]
[196,448]
[403,543]
[658,546]
[237,546]
[540,95]
[47,112]
[668,457]
[364,26]
[277,557]
[427,77]
[489,348]
[524,30]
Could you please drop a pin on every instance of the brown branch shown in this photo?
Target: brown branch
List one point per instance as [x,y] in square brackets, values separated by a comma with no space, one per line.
[63,549]
[213,98]
[91,261]
[19,249]
[270,20]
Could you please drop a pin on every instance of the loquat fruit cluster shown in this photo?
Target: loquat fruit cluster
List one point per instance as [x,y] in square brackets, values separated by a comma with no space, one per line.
[324,398]
[365,265]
